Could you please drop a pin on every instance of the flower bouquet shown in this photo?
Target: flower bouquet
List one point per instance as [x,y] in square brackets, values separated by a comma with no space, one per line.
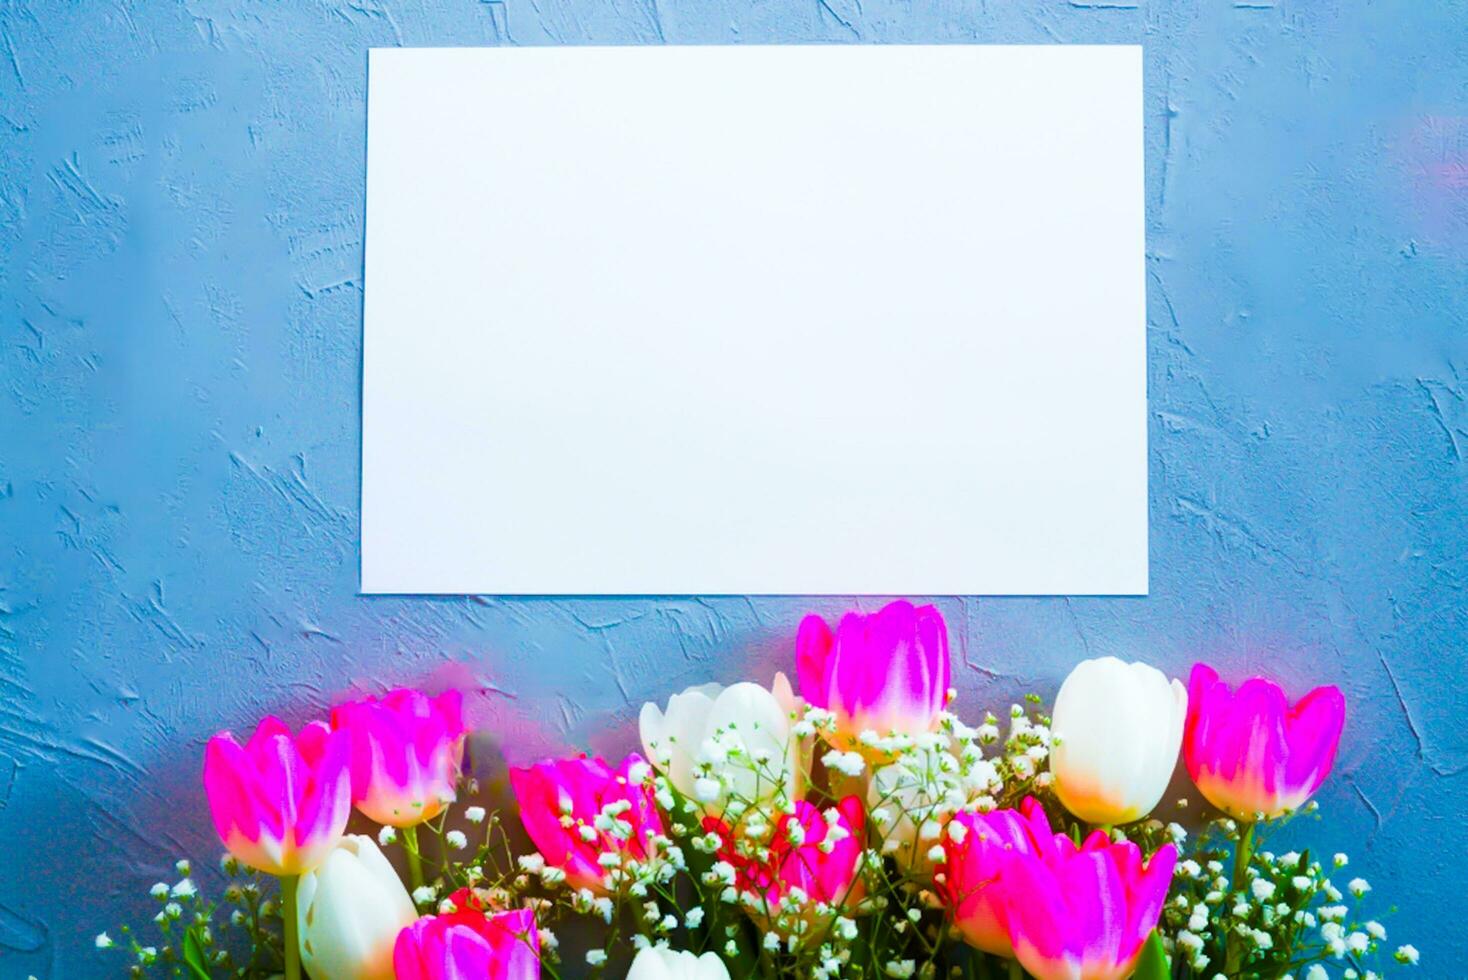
[853,828]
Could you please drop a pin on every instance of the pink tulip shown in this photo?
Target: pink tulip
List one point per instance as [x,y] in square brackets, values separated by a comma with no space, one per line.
[560,801]
[1252,754]
[468,944]
[279,802]
[970,878]
[885,673]
[1084,913]
[830,875]
[407,752]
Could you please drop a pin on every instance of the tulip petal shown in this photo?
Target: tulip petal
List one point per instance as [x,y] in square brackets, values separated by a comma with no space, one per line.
[813,645]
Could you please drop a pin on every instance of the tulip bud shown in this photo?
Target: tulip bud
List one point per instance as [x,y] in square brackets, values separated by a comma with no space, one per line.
[1118,727]
[812,852]
[279,802]
[972,885]
[562,805]
[741,733]
[407,753]
[350,911]
[657,963]
[1253,754]
[884,674]
[1084,912]
[469,941]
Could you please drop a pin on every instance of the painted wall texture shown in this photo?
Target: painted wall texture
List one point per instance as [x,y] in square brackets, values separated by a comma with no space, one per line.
[181,223]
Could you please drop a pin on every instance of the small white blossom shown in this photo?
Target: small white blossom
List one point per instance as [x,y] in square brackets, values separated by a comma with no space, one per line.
[848,763]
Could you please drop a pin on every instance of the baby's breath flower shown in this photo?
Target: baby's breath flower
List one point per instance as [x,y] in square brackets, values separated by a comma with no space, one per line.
[849,763]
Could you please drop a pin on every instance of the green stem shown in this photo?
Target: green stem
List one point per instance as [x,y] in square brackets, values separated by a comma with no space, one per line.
[1243,854]
[1016,972]
[292,941]
[415,859]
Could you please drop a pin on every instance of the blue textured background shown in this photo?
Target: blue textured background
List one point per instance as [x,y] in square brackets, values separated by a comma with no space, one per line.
[181,213]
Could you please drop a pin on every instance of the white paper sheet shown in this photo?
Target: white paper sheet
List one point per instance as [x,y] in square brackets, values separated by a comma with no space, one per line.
[755,320]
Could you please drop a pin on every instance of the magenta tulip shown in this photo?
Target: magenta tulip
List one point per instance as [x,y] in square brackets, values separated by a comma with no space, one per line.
[560,802]
[279,802]
[468,944]
[1250,753]
[886,673]
[407,753]
[816,851]
[1084,913]
[970,878]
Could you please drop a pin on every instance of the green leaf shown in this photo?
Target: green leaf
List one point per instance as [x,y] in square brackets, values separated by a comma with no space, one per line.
[1153,965]
[193,954]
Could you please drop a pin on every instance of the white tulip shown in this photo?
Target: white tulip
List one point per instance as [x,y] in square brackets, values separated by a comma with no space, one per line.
[655,963]
[1119,728]
[714,743]
[350,912]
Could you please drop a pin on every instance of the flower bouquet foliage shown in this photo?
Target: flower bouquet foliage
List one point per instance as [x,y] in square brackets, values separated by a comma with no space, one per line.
[855,828]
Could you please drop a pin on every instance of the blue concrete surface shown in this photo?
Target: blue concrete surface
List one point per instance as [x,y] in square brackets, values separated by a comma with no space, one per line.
[181,221]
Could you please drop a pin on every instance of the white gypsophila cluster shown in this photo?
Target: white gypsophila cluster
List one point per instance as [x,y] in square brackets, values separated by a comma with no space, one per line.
[1269,911]
[1026,748]
[933,776]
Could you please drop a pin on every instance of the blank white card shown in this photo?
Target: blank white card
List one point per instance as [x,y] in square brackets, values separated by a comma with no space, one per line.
[753,320]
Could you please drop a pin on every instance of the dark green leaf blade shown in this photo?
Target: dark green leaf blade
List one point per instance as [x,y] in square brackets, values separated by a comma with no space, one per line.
[193,954]
[1153,965]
